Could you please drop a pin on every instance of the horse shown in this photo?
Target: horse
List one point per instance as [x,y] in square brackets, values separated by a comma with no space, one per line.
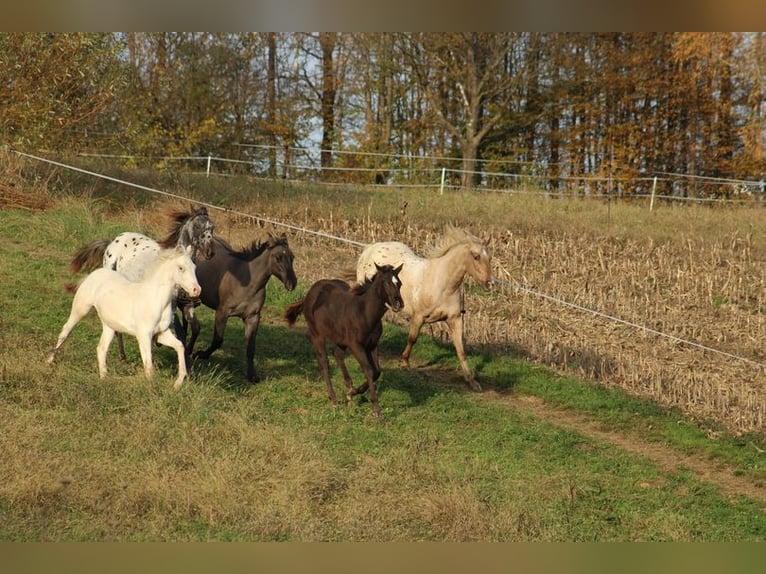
[234,285]
[139,308]
[131,253]
[431,286]
[351,318]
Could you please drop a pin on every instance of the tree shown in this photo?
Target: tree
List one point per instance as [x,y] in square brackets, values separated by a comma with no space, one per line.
[465,81]
[56,87]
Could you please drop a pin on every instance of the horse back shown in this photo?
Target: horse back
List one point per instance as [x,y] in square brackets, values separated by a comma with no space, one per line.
[392,253]
[414,274]
[131,253]
[325,303]
[227,278]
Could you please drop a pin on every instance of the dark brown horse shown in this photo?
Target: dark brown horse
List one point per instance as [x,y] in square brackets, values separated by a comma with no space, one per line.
[351,319]
[234,284]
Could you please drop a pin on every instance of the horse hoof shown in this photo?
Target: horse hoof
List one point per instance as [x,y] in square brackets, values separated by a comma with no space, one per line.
[475,386]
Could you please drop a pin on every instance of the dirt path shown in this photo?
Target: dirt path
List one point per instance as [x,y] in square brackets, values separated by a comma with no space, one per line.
[665,458]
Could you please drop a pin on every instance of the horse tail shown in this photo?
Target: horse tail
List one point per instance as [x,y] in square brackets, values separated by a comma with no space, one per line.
[292,311]
[71,287]
[90,256]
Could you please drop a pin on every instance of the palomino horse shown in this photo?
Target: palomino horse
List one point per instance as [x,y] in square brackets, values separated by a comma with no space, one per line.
[234,284]
[352,319]
[139,308]
[431,287]
[130,254]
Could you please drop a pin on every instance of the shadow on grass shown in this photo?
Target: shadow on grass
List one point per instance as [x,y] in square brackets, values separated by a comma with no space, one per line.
[282,352]
[435,361]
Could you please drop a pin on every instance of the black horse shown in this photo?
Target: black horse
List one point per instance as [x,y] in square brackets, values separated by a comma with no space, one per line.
[351,319]
[234,284]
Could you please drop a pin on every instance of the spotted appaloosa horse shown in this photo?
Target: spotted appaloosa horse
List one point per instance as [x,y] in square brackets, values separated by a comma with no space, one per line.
[142,308]
[130,254]
[431,286]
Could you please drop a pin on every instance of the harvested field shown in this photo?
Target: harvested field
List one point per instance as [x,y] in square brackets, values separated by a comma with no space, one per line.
[698,293]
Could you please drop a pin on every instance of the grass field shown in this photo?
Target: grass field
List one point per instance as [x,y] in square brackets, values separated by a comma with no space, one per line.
[539,456]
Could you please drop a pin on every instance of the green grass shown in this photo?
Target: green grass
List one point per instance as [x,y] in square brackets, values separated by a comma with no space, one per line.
[130,459]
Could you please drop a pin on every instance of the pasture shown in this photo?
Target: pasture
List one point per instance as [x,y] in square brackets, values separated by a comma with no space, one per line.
[540,455]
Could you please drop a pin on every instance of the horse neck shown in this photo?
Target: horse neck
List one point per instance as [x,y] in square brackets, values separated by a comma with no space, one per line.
[260,267]
[374,302]
[159,280]
[452,266]
[185,237]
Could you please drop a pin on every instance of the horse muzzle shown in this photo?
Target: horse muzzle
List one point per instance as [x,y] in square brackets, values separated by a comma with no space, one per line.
[194,291]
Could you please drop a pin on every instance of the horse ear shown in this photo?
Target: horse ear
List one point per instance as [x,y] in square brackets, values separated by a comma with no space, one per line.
[398,269]
[377,267]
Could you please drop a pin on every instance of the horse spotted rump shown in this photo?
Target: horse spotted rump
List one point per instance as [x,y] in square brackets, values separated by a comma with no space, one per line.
[431,286]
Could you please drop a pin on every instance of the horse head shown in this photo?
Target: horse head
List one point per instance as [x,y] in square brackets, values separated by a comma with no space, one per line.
[281,261]
[480,266]
[184,270]
[392,285]
[197,231]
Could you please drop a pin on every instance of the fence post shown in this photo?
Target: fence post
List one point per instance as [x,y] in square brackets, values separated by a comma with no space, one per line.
[441,187]
[654,190]
[208,165]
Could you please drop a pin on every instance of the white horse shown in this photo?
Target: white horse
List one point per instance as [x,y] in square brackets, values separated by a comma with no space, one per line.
[139,308]
[132,253]
[431,287]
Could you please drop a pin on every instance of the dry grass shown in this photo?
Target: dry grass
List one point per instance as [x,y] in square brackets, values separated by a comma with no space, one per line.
[127,459]
[693,273]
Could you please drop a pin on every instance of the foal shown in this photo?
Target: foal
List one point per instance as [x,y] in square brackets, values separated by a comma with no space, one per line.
[351,319]
[132,253]
[139,308]
[234,284]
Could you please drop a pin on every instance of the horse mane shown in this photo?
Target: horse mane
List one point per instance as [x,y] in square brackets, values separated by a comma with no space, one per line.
[451,237]
[361,288]
[258,246]
[177,219]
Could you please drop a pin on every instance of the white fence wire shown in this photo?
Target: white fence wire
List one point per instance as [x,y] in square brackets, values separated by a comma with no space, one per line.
[404,171]
[515,286]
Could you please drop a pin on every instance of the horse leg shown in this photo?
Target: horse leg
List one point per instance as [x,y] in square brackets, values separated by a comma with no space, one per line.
[340,360]
[455,326]
[79,310]
[375,356]
[194,323]
[169,339]
[145,346]
[251,329]
[371,374]
[121,347]
[415,325]
[179,327]
[221,319]
[324,366]
[107,334]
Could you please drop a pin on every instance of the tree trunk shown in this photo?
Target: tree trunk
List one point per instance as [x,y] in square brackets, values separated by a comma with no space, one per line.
[327,41]
[271,87]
